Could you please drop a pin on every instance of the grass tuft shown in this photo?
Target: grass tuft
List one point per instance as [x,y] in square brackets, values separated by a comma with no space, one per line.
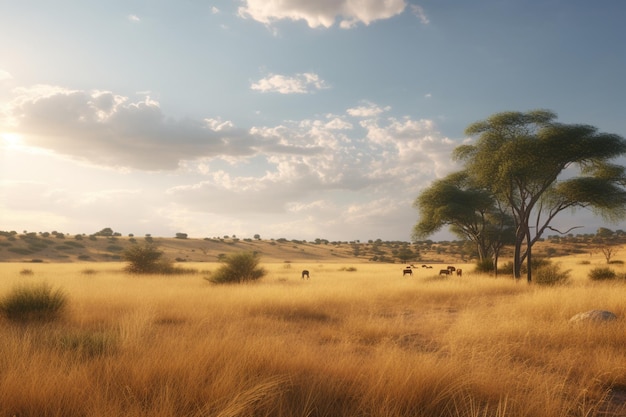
[36,302]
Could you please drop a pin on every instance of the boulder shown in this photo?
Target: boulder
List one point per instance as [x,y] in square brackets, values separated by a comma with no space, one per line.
[593,316]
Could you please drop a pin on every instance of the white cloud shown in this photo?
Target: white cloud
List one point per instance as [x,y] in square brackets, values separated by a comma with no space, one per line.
[419,12]
[215,10]
[299,84]
[108,129]
[390,162]
[367,110]
[322,13]
[133,18]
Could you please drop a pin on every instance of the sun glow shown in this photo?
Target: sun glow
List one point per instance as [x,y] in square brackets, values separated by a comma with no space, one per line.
[10,139]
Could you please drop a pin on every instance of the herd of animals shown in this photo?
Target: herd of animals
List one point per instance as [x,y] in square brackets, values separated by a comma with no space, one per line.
[450,270]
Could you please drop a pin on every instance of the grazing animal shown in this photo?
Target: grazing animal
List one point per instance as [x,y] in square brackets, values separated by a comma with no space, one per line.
[424,266]
[459,272]
[305,273]
[451,269]
[444,272]
[406,271]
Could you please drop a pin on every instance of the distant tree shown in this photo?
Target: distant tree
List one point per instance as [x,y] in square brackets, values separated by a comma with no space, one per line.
[107,231]
[472,212]
[609,252]
[406,254]
[520,158]
[257,237]
[604,233]
[181,235]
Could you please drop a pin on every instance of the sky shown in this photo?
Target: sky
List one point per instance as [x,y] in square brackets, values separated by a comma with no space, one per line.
[293,119]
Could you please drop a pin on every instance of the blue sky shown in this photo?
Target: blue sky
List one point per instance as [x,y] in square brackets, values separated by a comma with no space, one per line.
[292,118]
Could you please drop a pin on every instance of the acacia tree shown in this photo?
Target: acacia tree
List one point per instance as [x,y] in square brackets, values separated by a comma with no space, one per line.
[536,168]
[471,212]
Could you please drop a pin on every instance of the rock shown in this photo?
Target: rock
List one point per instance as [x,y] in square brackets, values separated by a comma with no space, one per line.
[593,316]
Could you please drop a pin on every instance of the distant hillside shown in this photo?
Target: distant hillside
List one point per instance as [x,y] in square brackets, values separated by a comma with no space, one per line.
[48,247]
[59,247]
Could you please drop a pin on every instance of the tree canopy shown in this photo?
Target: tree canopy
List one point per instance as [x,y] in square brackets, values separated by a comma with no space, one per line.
[532,168]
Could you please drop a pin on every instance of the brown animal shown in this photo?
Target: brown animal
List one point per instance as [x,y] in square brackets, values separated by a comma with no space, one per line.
[444,272]
[459,272]
[451,269]
[305,273]
[406,271]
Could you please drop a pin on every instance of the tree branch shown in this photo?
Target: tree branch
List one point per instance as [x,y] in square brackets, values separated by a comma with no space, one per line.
[565,232]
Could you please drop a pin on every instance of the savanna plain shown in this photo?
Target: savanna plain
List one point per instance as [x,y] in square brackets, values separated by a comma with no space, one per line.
[356,339]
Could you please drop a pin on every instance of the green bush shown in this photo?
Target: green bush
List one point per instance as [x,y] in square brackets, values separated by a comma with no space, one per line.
[146,259]
[537,263]
[33,302]
[550,274]
[602,274]
[238,267]
[486,266]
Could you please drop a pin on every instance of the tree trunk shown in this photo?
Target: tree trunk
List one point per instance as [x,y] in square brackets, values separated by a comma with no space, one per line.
[517,258]
[529,274]
[495,264]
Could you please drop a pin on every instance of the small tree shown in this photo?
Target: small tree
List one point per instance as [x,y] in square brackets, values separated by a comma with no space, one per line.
[146,259]
[608,252]
[238,267]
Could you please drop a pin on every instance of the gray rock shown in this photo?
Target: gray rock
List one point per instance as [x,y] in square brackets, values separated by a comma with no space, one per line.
[593,316]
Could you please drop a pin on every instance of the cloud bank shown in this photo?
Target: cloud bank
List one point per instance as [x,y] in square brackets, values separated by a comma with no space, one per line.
[330,170]
[325,13]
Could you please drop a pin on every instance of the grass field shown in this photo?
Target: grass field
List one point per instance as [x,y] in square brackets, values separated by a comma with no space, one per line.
[364,342]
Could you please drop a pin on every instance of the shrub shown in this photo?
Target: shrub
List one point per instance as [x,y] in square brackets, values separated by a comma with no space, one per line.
[238,267]
[33,302]
[550,274]
[602,274]
[146,259]
[486,266]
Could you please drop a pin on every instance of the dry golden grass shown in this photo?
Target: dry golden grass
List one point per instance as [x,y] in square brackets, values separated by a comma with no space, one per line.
[344,343]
